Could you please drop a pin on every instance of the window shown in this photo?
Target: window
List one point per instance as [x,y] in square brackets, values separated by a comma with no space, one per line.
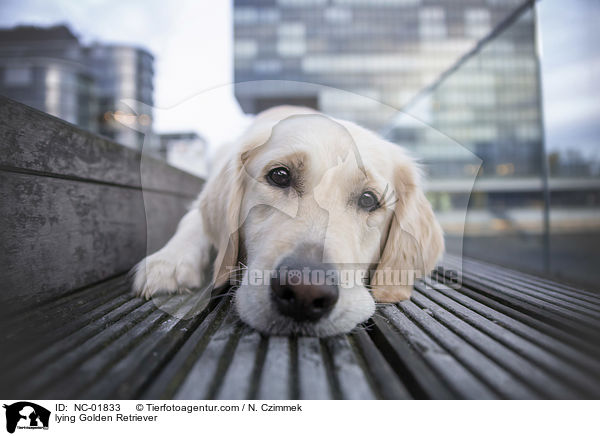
[18,76]
[245,48]
[432,24]
[477,23]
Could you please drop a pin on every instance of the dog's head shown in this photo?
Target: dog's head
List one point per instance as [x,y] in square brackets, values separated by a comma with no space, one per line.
[325,218]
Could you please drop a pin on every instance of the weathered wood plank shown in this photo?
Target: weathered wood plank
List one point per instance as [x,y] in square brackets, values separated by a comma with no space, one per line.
[387,383]
[33,141]
[55,371]
[524,339]
[59,235]
[275,380]
[166,384]
[434,346]
[462,381]
[238,380]
[204,377]
[408,362]
[350,377]
[496,276]
[312,376]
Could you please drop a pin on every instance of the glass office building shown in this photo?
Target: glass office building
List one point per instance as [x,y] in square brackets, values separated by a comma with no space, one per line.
[528,119]
[385,50]
[123,73]
[43,68]
[498,99]
[50,70]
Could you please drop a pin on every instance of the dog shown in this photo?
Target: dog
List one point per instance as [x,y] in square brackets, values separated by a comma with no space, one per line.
[303,195]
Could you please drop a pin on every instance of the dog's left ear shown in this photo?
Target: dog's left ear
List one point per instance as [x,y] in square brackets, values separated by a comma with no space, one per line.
[414,242]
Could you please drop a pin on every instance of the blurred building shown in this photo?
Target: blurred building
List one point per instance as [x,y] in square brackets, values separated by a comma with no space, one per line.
[386,50]
[498,99]
[50,70]
[44,68]
[122,73]
[489,103]
[505,114]
[187,151]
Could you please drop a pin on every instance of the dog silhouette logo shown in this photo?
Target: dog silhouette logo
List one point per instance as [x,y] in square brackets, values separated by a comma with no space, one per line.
[26,415]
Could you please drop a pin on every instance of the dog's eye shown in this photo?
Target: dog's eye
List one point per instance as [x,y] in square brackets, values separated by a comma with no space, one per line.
[280,176]
[368,201]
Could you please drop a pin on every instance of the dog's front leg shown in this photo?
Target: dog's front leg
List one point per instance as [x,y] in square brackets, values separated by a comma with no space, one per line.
[179,265]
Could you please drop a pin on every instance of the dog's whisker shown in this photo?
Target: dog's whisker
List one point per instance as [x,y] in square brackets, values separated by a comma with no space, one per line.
[268,238]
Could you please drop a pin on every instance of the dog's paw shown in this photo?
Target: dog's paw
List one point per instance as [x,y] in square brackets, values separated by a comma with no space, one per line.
[161,272]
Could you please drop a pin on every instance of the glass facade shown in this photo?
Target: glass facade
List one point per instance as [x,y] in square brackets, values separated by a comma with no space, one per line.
[570,68]
[42,68]
[386,50]
[123,73]
[499,101]
[530,140]
[48,69]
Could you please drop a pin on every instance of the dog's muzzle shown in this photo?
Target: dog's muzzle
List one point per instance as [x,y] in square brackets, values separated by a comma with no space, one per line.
[304,290]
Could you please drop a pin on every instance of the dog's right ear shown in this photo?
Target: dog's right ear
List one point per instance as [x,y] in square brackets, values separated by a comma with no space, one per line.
[221,199]
[220,203]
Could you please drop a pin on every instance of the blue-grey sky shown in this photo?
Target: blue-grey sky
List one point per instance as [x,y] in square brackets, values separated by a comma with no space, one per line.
[192,44]
[570,61]
[191,41]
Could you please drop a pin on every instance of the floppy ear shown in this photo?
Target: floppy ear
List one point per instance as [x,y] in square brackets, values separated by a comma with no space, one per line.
[414,242]
[220,204]
[221,199]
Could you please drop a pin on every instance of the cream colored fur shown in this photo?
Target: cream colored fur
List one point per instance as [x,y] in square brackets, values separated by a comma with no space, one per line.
[250,221]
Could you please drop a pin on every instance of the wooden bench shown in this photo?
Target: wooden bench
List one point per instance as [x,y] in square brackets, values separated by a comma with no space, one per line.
[73,224]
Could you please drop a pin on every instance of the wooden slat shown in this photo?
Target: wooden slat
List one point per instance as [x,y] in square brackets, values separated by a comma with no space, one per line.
[409,363]
[313,382]
[62,311]
[535,281]
[166,384]
[587,303]
[60,235]
[39,143]
[204,377]
[493,375]
[573,323]
[126,377]
[554,330]
[91,370]
[441,344]
[275,378]
[386,382]
[513,384]
[45,346]
[76,208]
[461,380]
[557,342]
[554,299]
[56,370]
[351,379]
[238,382]
[31,346]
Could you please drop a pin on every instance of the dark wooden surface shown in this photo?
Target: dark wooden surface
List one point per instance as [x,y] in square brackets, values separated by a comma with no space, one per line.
[72,209]
[74,219]
[446,342]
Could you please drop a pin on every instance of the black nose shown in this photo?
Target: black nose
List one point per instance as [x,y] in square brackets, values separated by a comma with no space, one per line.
[304,291]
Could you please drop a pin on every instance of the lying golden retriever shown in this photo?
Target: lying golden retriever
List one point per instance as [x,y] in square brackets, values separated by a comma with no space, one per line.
[312,218]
